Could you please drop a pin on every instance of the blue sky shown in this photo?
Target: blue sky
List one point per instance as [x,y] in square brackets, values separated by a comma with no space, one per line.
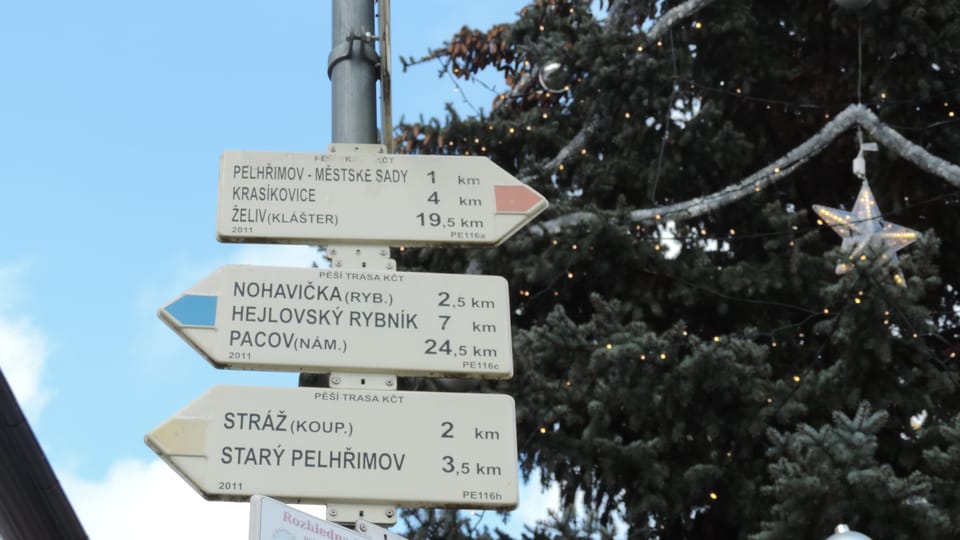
[113,116]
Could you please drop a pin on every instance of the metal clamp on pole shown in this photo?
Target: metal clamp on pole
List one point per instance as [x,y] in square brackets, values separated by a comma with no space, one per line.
[353,72]
[344,50]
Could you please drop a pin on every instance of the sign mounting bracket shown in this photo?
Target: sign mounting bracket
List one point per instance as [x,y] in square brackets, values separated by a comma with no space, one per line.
[358,381]
[375,532]
[349,514]
[361,257]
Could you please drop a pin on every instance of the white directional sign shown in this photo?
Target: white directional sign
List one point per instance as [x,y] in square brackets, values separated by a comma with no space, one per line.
[321,445]
[370,198]
[321,320]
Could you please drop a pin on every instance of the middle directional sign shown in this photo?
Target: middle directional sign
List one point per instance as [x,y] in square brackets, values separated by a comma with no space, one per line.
[322,320]
[371,198]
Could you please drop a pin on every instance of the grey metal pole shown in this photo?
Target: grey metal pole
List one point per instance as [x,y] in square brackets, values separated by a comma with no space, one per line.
[352,68]
[353,74]
[386,97]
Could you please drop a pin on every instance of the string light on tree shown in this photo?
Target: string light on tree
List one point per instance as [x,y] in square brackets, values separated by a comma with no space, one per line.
[757,275]
[917,420]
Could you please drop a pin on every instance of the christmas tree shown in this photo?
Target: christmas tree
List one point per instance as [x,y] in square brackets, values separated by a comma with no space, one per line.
[699,352]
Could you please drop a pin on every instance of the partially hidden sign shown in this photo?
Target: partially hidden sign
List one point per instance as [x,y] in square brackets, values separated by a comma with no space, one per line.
[370,198]
[322,320]
[322,445]
[273,520]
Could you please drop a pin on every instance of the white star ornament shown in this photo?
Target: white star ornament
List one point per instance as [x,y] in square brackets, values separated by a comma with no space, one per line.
[866,234]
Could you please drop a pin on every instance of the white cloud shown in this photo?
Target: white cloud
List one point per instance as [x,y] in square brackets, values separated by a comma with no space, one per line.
[23,348]
[23,353]
[536,502]
[148,500]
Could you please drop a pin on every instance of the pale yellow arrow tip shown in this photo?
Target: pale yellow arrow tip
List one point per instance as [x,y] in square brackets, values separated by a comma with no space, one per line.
[179,437]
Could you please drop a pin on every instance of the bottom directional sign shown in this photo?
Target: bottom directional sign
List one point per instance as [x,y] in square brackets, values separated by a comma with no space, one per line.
[320,445]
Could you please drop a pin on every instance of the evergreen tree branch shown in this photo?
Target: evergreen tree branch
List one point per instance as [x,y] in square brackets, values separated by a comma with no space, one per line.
[853,115]
[664,23]
[529,78]
[672,16]
[577,143]
[554,225]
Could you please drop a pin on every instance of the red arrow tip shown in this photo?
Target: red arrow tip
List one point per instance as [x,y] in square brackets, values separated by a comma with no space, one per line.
[516,199]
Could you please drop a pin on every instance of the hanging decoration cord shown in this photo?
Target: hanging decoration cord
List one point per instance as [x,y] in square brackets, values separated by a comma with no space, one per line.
[859,57]
[666,122]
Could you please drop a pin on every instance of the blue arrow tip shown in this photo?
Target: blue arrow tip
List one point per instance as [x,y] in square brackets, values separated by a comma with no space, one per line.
[194,310]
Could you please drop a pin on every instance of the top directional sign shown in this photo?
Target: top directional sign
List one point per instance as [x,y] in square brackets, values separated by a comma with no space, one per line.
[370,198]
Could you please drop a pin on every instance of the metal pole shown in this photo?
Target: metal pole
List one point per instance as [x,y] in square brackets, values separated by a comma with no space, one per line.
[353,74]
[386,98]
[351,68]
